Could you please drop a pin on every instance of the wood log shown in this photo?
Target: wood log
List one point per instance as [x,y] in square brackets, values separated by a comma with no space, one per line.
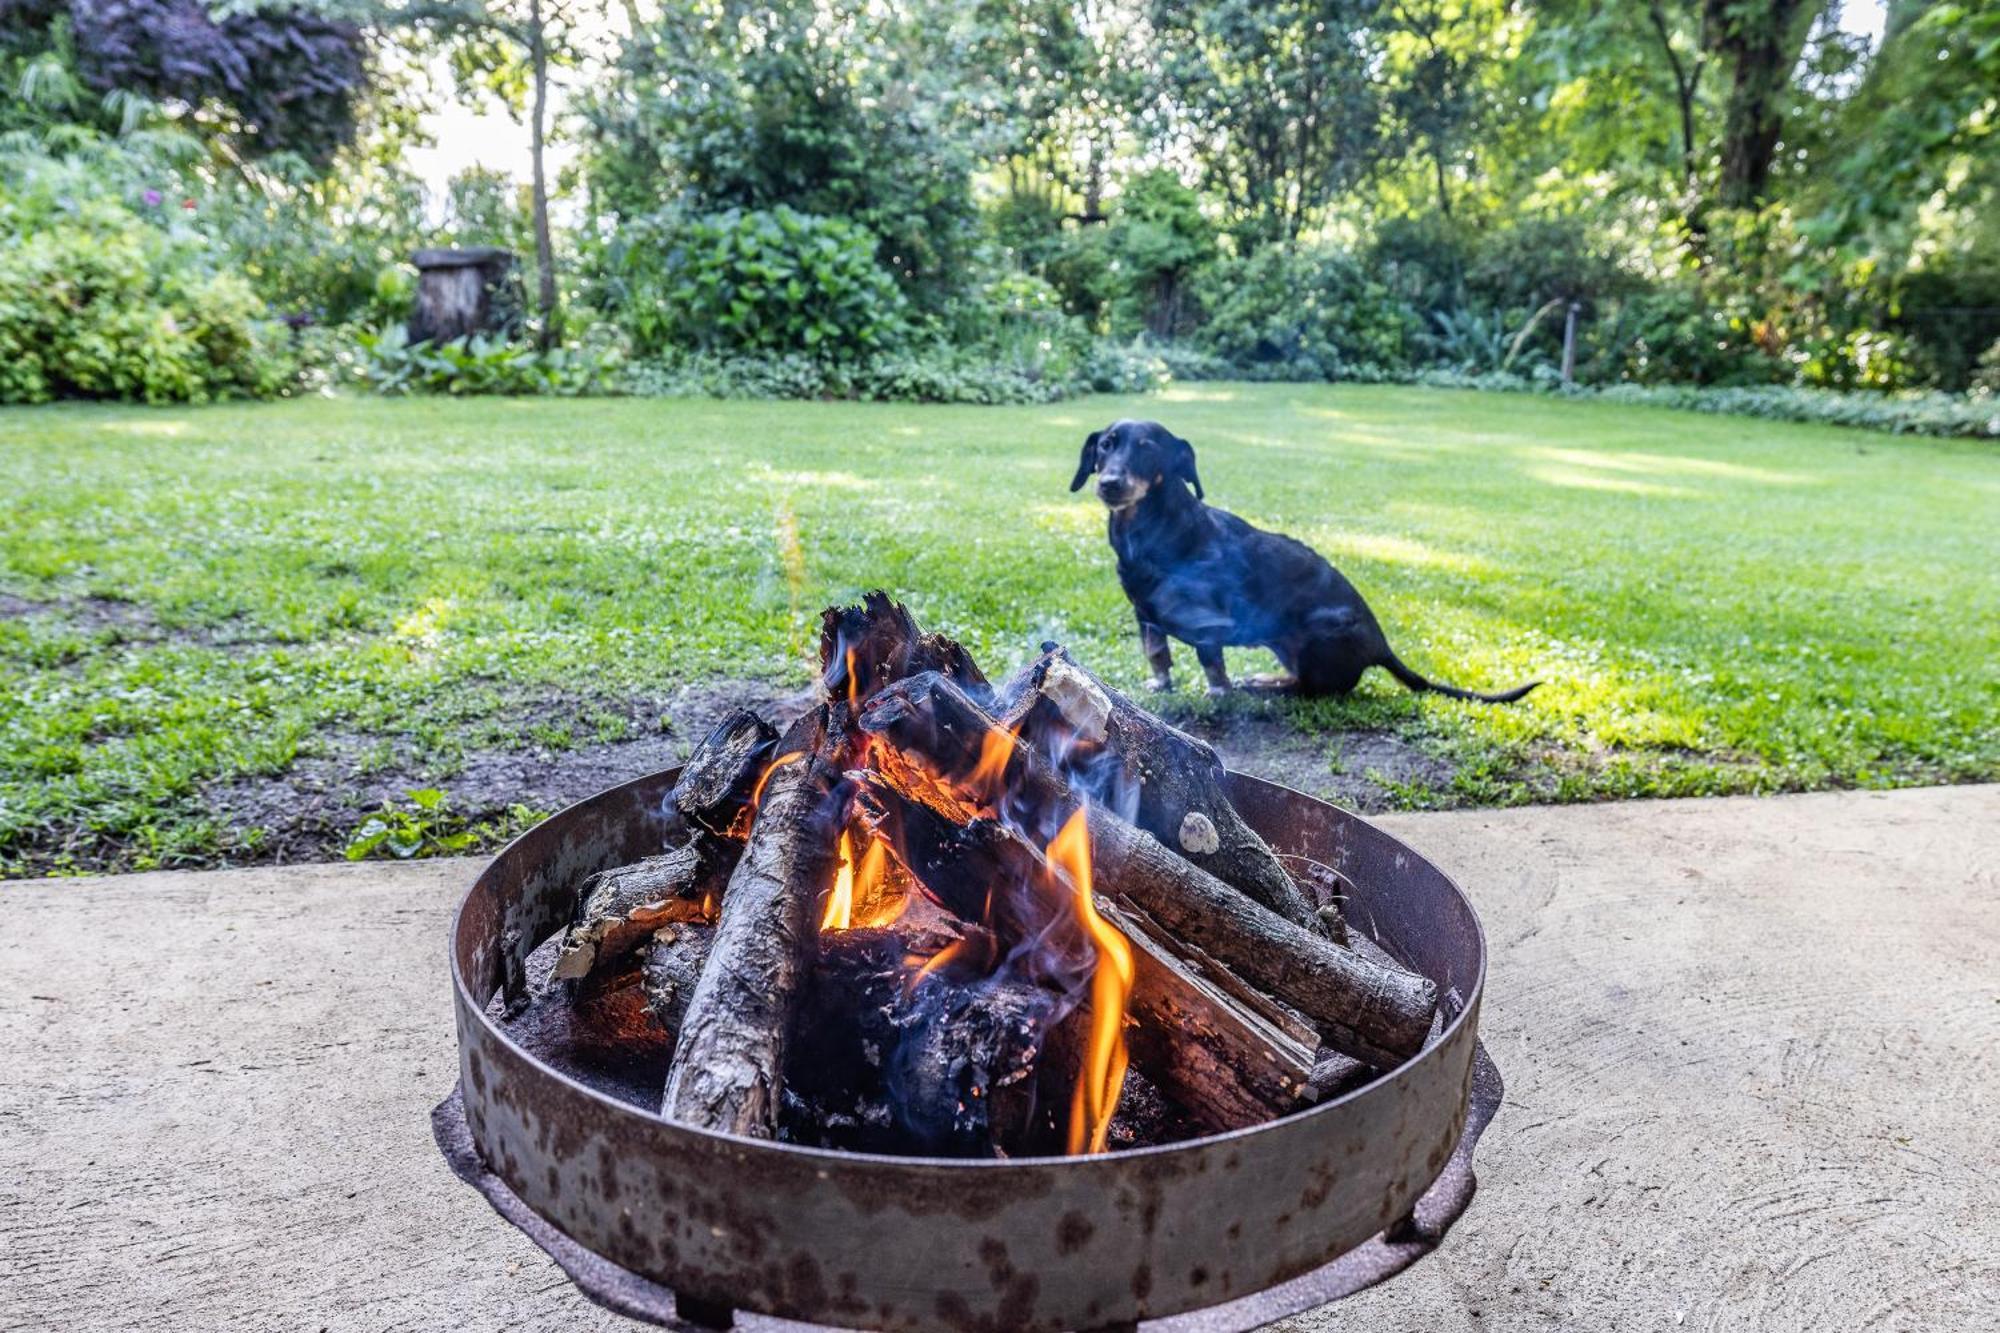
[729,1060]
[713,790]
[862,648]
[1378,1014]
[963,1077]
[1167,782]
[1230,1056]
[1229,1061]
[674,960]
[620,908]
[942,1067]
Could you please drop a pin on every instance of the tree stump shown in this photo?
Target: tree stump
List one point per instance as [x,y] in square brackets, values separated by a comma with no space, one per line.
[465,292]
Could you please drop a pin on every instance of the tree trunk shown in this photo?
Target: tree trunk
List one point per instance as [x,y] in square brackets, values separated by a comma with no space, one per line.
[1761,43]
[545,257]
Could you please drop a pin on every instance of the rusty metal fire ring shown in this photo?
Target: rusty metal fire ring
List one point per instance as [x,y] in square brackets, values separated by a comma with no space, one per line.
[689,1228]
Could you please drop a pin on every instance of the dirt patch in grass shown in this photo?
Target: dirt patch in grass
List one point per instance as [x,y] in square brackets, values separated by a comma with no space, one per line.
[308,812]
[1357,769]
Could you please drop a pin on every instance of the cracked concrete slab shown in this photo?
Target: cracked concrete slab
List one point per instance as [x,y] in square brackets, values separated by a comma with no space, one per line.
[1749,1046]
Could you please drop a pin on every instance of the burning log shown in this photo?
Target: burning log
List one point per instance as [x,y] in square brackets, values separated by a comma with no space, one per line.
[729,1059]
[939,1063]
[1377,1014]
[1229,1056]
[714,786]
[1170,782]
[862,648]
[621,908]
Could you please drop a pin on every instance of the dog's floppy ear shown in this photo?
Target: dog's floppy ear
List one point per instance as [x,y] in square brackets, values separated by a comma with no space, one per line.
[1086,462]
[1183,464]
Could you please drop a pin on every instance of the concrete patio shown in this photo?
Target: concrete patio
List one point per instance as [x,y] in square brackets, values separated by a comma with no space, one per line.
[1752,1050]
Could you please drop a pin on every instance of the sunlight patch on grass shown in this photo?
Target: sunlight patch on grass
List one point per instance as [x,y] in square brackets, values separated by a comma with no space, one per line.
[1579,479]
[1661,465]
[1388,549]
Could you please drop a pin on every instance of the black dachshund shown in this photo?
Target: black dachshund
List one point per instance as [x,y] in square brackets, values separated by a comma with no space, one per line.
[1207,578]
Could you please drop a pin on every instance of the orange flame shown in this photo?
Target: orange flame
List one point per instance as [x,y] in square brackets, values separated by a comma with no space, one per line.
[936,961]
[860,895]
[988,777]
[840,902]
[1102,1077]
[757,795]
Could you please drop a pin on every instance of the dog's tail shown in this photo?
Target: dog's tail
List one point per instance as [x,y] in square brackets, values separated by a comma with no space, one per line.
[1394,666]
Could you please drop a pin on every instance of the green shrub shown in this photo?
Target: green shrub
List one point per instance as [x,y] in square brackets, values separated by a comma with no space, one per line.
[770,281]
[1911,412]
[102,304]
[1017,321]
[1295,313]
[1986,372]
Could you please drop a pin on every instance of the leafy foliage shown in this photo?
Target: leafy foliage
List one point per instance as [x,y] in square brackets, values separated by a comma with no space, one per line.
[281,79]
[1314,311]
[389,363]
[97,301]
[425,824]
[843,110]
[737,281]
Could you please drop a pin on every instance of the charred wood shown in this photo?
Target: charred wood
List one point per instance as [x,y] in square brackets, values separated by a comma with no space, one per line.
[674,959]
[862,648]
[1230,1055]
[714,786]
[1375,1013]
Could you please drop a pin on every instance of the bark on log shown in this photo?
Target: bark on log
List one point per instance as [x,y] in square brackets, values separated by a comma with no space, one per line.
[1227,1055]
[1374,1013]
[714,786]
[729,1060]
[1228,1063]
[622,907]
[674,961]
[1169,783]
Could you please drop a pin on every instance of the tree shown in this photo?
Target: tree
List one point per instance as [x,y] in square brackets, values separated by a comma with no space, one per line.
[506,47]
[1436,96]
[1758,43]
[1276,100]
[840,109]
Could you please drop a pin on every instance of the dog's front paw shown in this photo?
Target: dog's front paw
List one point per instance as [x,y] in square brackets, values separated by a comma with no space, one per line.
[1160,684]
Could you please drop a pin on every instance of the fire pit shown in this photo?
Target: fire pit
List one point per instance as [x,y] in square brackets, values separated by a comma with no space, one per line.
[697,1217]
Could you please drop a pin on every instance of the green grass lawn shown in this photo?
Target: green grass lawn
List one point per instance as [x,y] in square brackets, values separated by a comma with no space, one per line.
[194,597]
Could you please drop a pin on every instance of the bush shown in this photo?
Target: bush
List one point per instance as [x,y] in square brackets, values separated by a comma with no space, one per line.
[774,281]
[1986,373]
[102,304]
[1017,321]
[1291,313]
